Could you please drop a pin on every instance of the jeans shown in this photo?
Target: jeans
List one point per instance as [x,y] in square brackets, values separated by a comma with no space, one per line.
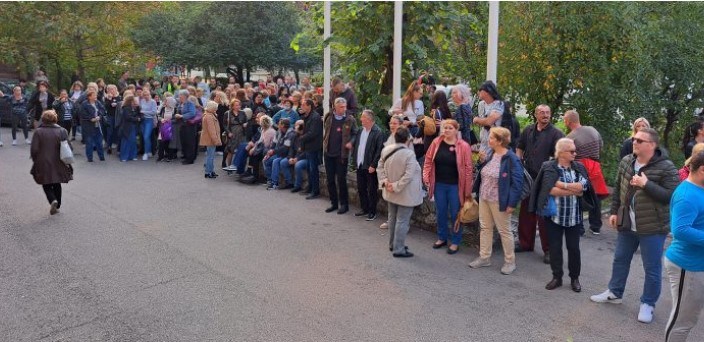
[240,159]
[313,172]
[399,222]
[301,165]
[128,145]
[22,121]
[268,168]
[447,198]
[336,172]
[574,261]
[95,141]
[147,126]
[280,165]
[651,250]
[209,159]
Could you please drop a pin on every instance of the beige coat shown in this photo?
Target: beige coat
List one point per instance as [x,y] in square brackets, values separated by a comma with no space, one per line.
[210,134]
[403,171]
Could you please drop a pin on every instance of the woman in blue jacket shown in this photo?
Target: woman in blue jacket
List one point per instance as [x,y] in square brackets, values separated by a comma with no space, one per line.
[499,185]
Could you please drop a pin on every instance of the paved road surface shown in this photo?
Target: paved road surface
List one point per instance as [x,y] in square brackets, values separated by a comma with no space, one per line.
[154,252]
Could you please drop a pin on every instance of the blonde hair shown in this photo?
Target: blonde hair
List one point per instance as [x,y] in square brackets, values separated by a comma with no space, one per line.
[637,121]
[560,145]
[698,148]
[49,117]
[265,122]
[501,134]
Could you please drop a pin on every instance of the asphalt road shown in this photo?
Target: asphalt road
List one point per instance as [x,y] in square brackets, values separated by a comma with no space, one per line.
[154,252]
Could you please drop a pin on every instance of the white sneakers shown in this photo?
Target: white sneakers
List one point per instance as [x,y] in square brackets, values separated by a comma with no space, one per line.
[606,297]
[508,268]
[384,225]
[14,142]
[645,315]
[1,144]
[480,262]
[145,157]
[27,141]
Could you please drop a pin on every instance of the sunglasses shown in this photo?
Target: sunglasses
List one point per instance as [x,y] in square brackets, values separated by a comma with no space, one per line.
[640,141]
[571,151]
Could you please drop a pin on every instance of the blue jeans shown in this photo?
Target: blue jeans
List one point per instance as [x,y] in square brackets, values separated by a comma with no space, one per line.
[128,146]
[301,165]
[268,168]
[447,198]
[209,159]
[147,126]
[240,159]
[95,141]
[110,132]
[651,249]
[280,165]
[313,172]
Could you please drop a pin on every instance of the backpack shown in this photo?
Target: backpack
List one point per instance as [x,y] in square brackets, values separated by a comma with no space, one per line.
[527,181]
[510,122]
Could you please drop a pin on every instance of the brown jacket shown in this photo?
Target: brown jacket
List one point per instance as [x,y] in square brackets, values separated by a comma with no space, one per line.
[210,134]
[45,152]
[349,133]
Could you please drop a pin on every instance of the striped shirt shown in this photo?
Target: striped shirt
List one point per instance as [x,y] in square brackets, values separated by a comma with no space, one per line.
[588,142]
[569,212]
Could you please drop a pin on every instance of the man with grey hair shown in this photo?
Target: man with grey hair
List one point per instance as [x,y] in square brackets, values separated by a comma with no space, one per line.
[588,142]
[640,211]
[338,140]
[367,151]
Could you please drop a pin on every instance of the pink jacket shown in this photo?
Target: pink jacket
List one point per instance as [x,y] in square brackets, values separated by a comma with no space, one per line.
[464,167]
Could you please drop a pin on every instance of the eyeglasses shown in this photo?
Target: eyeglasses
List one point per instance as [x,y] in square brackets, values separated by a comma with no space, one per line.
[571,151]
[640,141]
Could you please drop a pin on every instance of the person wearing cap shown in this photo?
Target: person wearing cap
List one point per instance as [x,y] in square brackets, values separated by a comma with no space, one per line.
[41,100]
[286,112]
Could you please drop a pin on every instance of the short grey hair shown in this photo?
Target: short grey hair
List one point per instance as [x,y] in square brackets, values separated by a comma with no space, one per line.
[340,100]
[368,113]
[464,91]
[184,92]
[561,144]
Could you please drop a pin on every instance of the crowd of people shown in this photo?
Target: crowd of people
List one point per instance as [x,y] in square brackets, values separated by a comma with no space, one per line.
[274,132]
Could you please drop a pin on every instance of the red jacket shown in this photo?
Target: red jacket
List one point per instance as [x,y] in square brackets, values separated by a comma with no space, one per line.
[596,177]
[464,168]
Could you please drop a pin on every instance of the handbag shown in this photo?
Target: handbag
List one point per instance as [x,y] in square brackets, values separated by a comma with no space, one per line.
[166,131]
[550,208]
[469,212]
[197,119]
[429,128]
[65,153]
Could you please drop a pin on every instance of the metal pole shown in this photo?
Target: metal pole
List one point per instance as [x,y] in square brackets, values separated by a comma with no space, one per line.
[398,44]
[326,61]
[493,40]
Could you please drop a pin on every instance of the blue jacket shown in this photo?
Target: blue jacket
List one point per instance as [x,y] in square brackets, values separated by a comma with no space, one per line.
[510,180]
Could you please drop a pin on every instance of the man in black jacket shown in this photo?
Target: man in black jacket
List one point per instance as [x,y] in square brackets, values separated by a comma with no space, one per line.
[312,142]
[340,89]
[367,151]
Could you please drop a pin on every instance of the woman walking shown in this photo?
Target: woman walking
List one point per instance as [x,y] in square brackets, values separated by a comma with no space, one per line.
[400,180]
[47,169]
[210,137]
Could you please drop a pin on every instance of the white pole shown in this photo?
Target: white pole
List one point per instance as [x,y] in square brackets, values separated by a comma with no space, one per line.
[493,50]
[326,61]
[398,44]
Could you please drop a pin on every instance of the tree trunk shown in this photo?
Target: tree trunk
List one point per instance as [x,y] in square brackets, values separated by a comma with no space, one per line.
[240,74]
[670,118]
[249,73]
[59,73]
[295,74]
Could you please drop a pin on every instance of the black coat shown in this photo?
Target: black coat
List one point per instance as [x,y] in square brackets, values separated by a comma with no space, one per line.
[130,119]
[545,181]
[312,138]
[35,106]
[372,153]
[89,112]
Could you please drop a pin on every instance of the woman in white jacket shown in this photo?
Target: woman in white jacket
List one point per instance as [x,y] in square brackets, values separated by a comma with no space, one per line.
[400,179]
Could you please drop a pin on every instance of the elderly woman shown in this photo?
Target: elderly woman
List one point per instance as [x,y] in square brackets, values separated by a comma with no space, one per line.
[41,100]
[627,146]
[277,157]
[92,118]
[260,148]
[210,137]
[112,101]
[400,180]
[411,106]
[395,122]
[166,130]
[499,185]
[234,128]
[130,118]
[297,157]
[461,97]
[447,173]
[560,193]
[47,169]
[186,111]
[148,108]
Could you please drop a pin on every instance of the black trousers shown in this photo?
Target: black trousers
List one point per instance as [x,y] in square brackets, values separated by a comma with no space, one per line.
[574,263]
[68,125]
[165,151]
[336,173]
[22,122]
[188,143]
[367,188]
[53,193]
[595,217]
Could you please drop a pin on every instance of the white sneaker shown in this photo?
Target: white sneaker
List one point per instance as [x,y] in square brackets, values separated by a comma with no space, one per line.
[14,142]
[145,157]
[606,297]
[27,141]
[384,225]
[645,315]
[1,144]
[480,262]
[508,268]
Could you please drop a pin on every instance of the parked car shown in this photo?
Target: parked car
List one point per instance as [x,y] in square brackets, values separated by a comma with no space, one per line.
[5,108]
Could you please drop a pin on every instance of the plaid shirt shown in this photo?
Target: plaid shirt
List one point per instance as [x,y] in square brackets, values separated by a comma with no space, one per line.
[569,213]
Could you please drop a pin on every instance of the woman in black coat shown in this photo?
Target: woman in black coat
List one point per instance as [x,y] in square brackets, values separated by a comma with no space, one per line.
[40,101]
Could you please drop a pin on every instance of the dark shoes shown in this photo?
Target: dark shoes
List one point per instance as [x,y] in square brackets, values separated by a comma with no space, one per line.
[546,258]
[453,251]
[343,209]
[553,284]
[331,209]
[186,162]
[312,196]
[405,254]
[439,245]
[295,190]
[576,286]
[520,249]
[288,186]
[211,175]
[361,213]
[371,217]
